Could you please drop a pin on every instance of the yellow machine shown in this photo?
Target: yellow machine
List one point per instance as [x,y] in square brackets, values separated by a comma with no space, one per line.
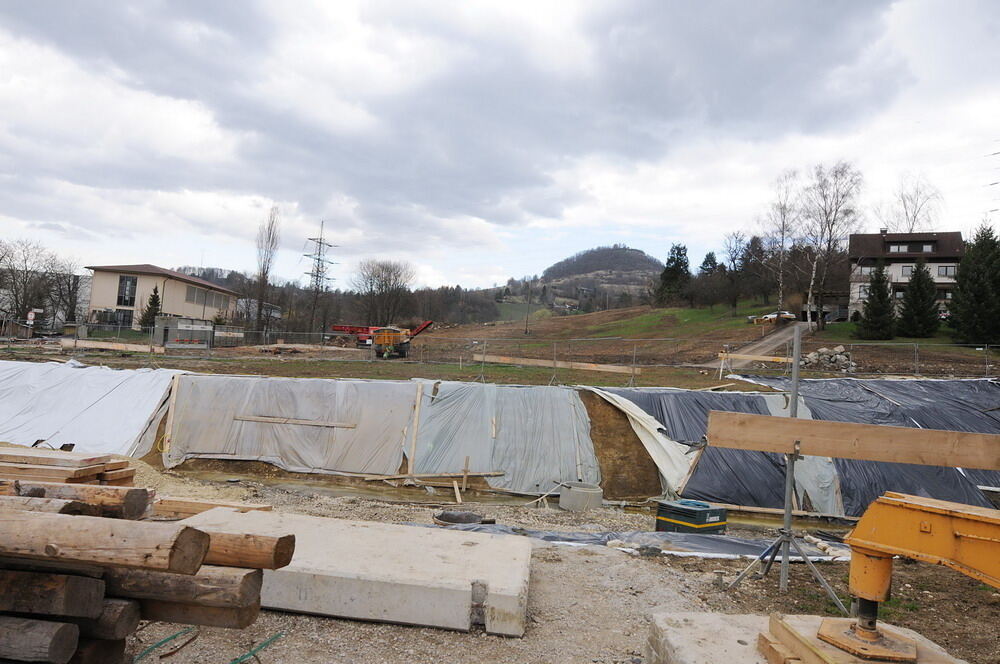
[963,537]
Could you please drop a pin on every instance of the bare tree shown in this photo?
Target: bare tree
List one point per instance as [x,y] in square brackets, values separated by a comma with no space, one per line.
[830,214]
[734,249]
[268,237]
[913,206]
[382,287]
[26,274]
[780,225]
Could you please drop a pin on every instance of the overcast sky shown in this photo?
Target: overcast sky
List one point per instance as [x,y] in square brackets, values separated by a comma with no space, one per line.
[478,140]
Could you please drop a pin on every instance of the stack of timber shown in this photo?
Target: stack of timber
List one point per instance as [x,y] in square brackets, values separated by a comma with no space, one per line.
[45,465]
[75,585]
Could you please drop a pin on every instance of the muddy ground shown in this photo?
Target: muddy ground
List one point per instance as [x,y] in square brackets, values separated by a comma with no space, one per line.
[586,604]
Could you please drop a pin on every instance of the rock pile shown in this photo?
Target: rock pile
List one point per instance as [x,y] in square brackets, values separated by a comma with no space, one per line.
[826,359]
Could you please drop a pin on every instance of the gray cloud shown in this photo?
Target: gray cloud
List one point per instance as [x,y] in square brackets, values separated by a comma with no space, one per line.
[482,137]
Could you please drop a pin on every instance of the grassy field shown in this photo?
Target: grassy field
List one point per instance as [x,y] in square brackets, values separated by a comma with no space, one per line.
[844,333]
[679,322]
[516,310]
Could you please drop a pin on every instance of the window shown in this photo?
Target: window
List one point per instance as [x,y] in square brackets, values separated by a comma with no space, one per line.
[947,270]
[895,248]
[928,248]
[944,295]
[899,294]
[189,295]
[866,270]
[123,317]
[907,270]
[863,291]
[126,290]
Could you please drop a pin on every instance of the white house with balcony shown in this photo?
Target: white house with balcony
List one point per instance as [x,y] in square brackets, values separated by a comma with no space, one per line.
[900,252]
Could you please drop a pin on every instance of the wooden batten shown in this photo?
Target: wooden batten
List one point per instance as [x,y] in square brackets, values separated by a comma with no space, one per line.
[50,594]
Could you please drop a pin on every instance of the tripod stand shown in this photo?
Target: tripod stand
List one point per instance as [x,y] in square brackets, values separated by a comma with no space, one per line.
[786,539]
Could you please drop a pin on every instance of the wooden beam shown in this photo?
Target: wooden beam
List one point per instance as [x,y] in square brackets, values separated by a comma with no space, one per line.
[89,539]
[406,476]
[115,502]
[226,587]
[559,364]
[291,420]
[757,358]
[46,457]
[55,472]
[25,639]
[847,440]
[52,505]
[195,614]
[50,594]
[117,475]
[110,345]
[170,506]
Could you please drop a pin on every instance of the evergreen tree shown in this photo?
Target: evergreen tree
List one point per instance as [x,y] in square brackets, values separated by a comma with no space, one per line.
[975,305]
[710,265]
[878,318]
[151,310]
[675,276]
[918,315]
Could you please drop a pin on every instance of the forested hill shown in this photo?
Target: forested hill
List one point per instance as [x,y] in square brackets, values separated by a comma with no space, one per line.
[616,258]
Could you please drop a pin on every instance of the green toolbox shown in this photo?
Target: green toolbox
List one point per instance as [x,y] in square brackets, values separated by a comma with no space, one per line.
[690,516]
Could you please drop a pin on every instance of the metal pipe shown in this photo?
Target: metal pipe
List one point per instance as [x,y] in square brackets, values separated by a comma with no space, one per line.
[793,411]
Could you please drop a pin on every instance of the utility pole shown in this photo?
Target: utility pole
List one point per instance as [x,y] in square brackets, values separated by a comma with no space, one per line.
[317,275]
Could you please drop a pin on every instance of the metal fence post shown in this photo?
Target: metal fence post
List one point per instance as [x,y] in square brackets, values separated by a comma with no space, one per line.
[916,359]
[986,352]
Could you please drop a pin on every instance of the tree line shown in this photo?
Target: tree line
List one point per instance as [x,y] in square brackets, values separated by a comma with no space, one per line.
[798,251]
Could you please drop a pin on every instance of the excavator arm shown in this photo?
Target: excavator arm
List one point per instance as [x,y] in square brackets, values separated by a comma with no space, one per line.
[963,537]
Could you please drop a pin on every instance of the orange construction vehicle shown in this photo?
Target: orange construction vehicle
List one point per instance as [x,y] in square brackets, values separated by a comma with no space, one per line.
[387,341]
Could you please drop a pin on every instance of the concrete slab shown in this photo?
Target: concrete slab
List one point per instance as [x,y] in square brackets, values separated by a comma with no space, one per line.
[710,638]
[391,573]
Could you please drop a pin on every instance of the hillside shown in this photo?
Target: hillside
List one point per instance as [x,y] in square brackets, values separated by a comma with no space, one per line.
[617,258]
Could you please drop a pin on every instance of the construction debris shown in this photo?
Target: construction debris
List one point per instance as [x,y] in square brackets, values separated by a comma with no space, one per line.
[826,359]
[77,599]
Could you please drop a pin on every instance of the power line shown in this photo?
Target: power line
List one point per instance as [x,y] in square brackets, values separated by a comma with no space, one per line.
[318,278]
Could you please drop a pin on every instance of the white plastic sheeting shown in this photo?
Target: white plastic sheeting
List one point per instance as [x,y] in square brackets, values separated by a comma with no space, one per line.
[101,410]
[378,415]
[537,435]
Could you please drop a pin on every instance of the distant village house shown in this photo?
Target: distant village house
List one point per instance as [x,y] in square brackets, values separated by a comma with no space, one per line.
[119,293]
[900,252]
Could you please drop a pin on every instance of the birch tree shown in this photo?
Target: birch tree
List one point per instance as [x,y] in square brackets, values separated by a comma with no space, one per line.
[830,214]
[268,238]
[781,226]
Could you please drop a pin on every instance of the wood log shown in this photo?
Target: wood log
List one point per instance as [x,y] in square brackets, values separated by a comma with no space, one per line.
[52,567]
[45,457]
[115,502]
[29,640]
[225,587]
[99,651]
[193,614]
[52,505]
[118,619]
[89,539]
[50,594]
[249,549]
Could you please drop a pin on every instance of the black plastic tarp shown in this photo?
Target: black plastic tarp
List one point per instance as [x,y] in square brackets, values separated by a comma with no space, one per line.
[722,475]
[952,405]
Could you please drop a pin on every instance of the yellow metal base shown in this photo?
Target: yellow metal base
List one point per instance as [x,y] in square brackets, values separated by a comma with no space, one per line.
[886,646]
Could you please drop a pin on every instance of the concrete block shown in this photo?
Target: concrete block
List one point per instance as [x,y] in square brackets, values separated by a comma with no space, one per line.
[710,638]
[391,573]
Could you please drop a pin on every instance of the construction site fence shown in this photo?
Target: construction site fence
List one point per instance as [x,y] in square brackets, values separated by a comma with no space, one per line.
[624,356]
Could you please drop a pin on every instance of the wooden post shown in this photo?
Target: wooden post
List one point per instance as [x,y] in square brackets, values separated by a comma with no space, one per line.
[465,474]
[52,505]
[196,614]
[416,425]
[458,495]
[115,502]
[224,587]
[50,594]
